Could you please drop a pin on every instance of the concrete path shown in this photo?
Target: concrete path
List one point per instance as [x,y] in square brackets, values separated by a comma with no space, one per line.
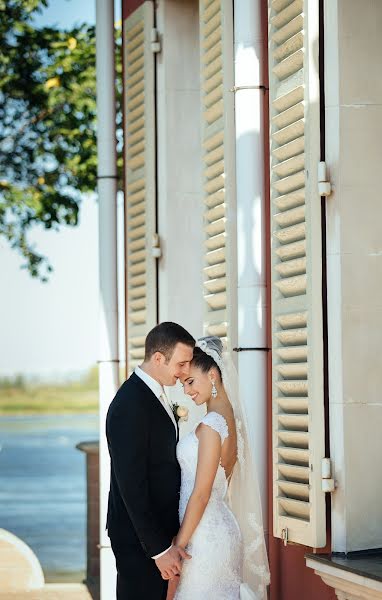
[52,591]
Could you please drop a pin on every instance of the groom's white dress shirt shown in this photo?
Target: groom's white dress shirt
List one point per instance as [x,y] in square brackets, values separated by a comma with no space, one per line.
[159,392]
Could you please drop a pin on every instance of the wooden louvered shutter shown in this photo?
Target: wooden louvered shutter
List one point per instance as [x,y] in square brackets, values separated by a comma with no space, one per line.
[216,55]
[297,322]
[140,189]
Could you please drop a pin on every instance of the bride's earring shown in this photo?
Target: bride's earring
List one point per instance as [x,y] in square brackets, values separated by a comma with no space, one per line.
[214,391]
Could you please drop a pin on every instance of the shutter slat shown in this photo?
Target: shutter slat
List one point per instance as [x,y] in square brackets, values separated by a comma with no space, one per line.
[290,65]
[214,113]
[293,354]
[293,473]
[218,329]
[136,209]
[292,286]
[294,405]
[296,439]
[138,292]
[215,199]
[289,30]
[290,217]
[292,267]
[215,155]
[283,16]
[135,148]
[296,422]
[293,456]
[215,228]
[291,45]
[291,251]
[214,51]
[293,371]
[217,301]
[216,257]
[215,286]
[295,508]
[215,213]
[215,184]
[294,490]
[296,146]
[290,166]
[216,270]
[217,168]
[289,133]
[139,118]
[213,75]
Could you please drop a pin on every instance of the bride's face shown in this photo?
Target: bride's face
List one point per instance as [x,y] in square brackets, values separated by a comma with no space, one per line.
[198,385]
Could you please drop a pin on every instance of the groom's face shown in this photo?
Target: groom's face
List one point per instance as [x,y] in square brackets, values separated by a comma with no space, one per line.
[178,366]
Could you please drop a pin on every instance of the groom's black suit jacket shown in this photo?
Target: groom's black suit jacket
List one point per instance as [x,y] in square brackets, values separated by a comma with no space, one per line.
[145,474]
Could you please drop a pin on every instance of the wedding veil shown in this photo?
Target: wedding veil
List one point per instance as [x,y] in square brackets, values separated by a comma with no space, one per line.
[243,492]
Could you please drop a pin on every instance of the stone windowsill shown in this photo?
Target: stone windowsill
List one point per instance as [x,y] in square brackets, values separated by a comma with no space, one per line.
[354,577]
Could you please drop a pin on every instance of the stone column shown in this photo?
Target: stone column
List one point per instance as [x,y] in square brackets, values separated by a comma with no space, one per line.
[91,450]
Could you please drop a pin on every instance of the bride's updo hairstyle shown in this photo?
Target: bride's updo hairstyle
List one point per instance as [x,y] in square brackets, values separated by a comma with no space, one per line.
[204,361]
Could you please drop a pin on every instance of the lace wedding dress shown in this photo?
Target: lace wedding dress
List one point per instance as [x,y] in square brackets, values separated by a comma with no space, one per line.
[215,570]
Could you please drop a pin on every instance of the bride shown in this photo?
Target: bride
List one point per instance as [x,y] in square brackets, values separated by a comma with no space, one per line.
[220,511]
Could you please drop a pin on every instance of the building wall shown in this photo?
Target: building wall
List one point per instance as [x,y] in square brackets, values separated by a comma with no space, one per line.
[353,114]
[291,579]
[180,206]
[353,87]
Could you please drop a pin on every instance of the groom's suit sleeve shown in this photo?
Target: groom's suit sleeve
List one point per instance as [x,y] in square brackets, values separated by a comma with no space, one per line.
[128,439]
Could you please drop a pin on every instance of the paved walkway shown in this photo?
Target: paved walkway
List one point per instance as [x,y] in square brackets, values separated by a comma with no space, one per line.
[21,576]
[53,591]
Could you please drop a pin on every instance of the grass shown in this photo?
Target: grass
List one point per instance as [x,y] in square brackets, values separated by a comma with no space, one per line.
[19,397]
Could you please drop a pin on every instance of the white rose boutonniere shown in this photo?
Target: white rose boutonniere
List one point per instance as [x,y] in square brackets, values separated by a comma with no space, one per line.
[180,412]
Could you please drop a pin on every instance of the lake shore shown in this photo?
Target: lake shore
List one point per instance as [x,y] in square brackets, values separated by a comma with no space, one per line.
[43,491]
[48,400]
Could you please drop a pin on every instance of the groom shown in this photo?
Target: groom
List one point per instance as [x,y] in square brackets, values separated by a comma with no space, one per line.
[145,477]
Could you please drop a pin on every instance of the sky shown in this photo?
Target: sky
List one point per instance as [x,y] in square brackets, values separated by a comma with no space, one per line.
[50,330]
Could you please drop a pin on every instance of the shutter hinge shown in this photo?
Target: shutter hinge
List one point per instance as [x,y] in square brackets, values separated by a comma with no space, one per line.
[156,250]
[324,186]
[155,41]
[328,484]
[284,535]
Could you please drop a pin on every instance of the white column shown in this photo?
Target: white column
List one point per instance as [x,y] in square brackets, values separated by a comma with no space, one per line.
[251,238]
[108,324]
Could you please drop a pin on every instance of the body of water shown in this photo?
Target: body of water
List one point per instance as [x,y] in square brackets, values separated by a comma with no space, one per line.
[43,488]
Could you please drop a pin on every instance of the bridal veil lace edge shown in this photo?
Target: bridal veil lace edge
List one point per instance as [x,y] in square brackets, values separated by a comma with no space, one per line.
[244,494]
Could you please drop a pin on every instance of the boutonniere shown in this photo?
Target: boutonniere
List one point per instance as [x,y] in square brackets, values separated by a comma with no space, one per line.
[180,412]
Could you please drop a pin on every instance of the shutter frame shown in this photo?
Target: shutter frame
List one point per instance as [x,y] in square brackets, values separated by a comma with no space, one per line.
[217,120]
[140,183]
[297,319]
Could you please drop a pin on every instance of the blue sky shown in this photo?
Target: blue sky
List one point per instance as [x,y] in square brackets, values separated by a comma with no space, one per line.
[50,330]
[65,13]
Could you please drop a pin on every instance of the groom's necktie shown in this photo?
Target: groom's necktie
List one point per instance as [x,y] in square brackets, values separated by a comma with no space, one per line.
[168,408]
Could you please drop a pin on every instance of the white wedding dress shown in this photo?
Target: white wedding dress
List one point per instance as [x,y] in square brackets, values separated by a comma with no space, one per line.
[214,571]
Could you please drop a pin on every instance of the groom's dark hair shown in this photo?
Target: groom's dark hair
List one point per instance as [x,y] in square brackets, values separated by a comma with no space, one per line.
[164,337]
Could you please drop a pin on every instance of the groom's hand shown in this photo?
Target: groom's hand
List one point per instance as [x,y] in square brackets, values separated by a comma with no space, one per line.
[170,563]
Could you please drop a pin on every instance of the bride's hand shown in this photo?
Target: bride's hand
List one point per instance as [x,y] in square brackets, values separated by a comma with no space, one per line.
[172,585]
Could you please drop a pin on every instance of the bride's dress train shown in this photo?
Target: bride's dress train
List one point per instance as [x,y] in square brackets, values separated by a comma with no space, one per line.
[214,571]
